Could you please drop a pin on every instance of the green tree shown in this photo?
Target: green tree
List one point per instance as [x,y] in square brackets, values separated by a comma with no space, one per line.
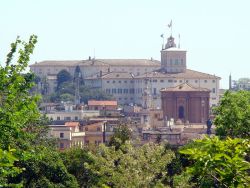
[21,128]
[130,166]
[218,163]
[63,76]
[75,160]
[233,115]
[121,134]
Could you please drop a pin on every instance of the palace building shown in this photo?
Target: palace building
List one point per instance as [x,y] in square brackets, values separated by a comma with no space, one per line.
[135,81]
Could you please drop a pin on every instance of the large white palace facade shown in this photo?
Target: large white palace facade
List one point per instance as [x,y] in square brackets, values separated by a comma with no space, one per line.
[136,81]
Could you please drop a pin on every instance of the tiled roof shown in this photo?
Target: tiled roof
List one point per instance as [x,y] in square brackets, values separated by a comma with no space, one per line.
[184,87]
[72,124]
[102,103]
[100,62]
[189,74]
[57,63]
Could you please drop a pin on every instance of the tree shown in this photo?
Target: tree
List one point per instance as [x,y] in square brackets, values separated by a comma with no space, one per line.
[63,76]
[218,163]
[75,160]
[130,166]
[233,115]
[121,134]
[21,128]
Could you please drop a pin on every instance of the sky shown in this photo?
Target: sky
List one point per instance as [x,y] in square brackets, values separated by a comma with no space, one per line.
[215,33]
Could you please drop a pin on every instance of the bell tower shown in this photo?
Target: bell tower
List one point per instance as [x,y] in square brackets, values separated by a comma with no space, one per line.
[173,60]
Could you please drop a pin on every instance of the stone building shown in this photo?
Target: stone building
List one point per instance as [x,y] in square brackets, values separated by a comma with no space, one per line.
[185,103]
[137,81]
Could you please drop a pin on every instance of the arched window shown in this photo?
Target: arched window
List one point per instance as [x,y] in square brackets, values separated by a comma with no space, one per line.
[181,112]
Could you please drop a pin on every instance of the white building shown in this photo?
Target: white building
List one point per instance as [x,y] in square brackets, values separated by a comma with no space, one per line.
[136,81]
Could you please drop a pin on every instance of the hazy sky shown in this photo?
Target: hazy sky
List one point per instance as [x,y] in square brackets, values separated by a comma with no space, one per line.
[215,33]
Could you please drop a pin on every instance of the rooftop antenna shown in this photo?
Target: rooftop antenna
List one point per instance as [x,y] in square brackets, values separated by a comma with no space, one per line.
[179,45]
[162,36]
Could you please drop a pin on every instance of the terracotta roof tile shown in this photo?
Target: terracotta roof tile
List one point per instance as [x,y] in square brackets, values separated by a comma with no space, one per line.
[102,103]
[184,87]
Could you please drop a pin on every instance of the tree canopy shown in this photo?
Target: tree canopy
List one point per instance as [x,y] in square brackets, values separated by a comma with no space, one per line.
[233,115]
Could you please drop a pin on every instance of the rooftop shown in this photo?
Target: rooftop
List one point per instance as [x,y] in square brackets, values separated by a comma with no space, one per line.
[102,103]
[184,87]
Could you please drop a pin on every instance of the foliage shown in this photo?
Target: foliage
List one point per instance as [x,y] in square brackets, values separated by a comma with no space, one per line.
[35,163]
[218,163]
[121,134]
[75,160]
[7,168]
[130,166]
[45,168]
[17,107]
[233,115]
[63,76]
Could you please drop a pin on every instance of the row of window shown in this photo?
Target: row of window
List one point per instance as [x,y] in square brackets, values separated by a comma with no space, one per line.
[120,91]
[154,81]
[67,118]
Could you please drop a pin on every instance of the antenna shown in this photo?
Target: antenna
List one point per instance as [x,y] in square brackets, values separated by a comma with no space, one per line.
[179,45]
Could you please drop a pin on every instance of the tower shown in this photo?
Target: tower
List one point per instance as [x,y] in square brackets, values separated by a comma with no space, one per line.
[173,60]
[230,82]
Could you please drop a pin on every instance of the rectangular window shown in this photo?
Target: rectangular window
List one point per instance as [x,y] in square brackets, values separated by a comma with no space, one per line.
[196,81]
[114,90]
[119,90]
[119,81]
[213,90]
[154,92]
[108,91]
[205,81]
[98,129]
[61,145]
[76,118]
[162,81]
[213,81]
[61,135]
[170,81]
[57,118]
[107,81]
[125,81]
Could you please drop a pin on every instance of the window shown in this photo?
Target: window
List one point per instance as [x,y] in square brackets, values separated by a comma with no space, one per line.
[196,81]
[113,81]
[125,90]
[162,80]
[213,81]
[119,90]
[61,135]
[180,81]
[86,129]
[61,145]
[154,92]
[67,118]
[132,81]
[205,81]
[107,90]
[171,61]
[125,81]
[186,81]
[175,81]
[107,81]
[87,141]
[176,61]
[114,90]
[213,90]
[76,118]
[131,90]
[182,62]
[120,81]
[57,118]
[170,81]
[98,129]
[154,80]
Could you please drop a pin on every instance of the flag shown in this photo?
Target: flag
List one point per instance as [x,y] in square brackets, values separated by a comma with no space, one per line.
[170,24]
[162,35]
